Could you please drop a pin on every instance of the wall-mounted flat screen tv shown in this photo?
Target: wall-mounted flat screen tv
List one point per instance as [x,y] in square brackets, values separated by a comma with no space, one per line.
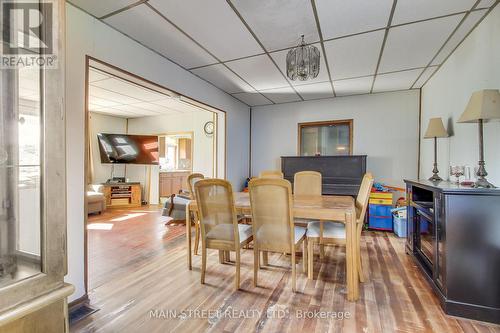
[128,149]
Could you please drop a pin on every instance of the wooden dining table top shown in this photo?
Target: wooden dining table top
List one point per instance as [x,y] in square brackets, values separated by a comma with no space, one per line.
[322,207]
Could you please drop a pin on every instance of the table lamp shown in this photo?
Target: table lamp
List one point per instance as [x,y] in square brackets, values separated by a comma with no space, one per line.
[435,130]
[484,105]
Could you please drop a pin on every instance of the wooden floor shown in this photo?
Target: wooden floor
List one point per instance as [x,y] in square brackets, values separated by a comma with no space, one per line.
[151,288]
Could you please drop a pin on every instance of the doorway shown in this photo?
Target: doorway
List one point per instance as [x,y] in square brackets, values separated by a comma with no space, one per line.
[124,226]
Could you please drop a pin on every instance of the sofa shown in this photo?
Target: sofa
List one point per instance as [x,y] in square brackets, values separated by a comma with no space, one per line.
[96,202]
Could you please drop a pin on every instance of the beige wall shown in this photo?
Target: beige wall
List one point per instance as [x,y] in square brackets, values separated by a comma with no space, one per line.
[475,65]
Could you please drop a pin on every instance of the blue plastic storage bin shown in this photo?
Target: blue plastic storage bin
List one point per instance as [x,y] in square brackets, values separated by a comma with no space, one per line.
[399,226]
[380,217]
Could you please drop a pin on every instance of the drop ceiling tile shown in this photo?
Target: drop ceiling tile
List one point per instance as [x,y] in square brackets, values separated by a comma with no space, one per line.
[111,95]
[340,17]
[252,98]
[150,107]
[259,71]
[459,35]
[281,95]
[101,102]
[144,110]
[414,45]
[146,26]
[315,90]
[396,81]
[129,89]
[411,10]
[279,24]
[357,86]
[213,24]
[223,78]
[117,113]
[354,56]
[425,76]
[100,8]
[280,59]
[486,3]
[95,75]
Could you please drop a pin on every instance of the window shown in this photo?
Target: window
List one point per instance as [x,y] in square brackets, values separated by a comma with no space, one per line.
[325,138]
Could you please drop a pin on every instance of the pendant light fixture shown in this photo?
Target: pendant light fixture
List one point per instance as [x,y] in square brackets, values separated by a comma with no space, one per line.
[302,62]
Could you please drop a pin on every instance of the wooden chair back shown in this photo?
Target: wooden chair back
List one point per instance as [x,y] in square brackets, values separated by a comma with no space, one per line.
[307,183]
[273,174]
[363,197]
[214,198]
[272,214]
[191,180]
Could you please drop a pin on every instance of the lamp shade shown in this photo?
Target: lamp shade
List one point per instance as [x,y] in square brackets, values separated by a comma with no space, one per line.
[435,129]
[483,104]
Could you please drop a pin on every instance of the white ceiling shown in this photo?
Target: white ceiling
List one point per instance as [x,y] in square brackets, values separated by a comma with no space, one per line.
[111,95]
[240,45]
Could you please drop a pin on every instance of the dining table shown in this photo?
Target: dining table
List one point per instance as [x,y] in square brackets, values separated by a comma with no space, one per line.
[318,207]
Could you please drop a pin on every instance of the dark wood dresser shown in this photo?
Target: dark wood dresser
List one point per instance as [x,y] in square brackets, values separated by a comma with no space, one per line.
[454,236]
[341,175]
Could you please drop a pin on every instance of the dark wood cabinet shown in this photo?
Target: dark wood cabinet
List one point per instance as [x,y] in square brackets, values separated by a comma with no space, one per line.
[453,232]
[341,175]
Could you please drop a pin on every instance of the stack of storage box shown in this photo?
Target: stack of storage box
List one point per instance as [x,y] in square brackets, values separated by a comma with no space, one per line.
[379,211]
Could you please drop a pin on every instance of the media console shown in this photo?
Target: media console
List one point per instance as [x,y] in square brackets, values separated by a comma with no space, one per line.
[453,233]
[122,195]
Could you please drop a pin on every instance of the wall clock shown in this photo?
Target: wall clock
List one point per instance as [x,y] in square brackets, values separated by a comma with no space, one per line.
[209,128]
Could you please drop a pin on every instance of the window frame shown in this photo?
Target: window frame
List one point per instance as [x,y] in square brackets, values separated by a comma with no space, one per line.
[300,126]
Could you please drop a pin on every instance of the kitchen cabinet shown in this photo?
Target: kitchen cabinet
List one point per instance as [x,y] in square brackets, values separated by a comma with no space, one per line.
[171,182]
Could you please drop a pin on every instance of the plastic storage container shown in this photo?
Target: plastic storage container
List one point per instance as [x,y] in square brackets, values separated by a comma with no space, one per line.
[399,226]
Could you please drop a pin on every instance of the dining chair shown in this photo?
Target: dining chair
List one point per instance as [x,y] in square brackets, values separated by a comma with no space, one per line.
[191,180]
[274,174]
[219,226]
[272,222]
[308,183]
[326,232]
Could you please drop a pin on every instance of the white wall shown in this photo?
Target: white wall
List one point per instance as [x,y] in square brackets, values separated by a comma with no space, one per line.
[185,122]
[385,128]
[100,123]
[475,65]
[87,36]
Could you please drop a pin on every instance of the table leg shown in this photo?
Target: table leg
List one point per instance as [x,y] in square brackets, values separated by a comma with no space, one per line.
[188,237]
[351,258]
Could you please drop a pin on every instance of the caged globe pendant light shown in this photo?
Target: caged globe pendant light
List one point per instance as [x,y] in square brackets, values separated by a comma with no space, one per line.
[302,62]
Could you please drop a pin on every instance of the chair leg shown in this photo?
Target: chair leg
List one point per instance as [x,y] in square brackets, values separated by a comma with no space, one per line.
[304,256]
[221,257]
[203,263]
[310,257]
[360,266]
[321,251]
[294,273]
[237,278]
[265,258]
[196,237]
[227,256]
[256,257]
